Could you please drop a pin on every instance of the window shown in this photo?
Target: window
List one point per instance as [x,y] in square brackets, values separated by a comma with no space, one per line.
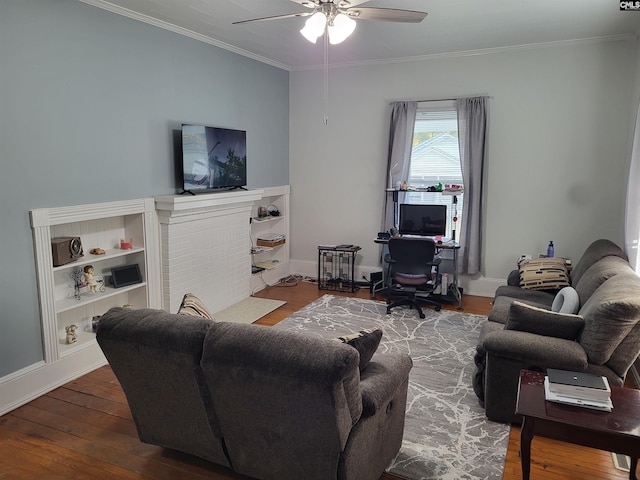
[435,158]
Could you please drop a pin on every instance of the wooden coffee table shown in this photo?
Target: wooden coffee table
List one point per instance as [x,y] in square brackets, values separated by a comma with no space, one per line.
[616,431]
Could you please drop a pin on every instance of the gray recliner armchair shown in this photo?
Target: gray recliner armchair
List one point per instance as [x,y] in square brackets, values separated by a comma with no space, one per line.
[522,333]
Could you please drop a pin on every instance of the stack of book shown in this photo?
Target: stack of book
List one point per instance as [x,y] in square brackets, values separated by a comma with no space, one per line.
[578,388]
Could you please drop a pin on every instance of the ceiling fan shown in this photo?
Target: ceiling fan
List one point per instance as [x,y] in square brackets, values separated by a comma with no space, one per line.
[337,17]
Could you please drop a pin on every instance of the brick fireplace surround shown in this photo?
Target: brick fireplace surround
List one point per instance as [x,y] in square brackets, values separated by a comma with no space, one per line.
[206,247]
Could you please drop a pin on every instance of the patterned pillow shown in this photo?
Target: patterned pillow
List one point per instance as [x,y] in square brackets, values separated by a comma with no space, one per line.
[192,305]
[365,342]
[544,274]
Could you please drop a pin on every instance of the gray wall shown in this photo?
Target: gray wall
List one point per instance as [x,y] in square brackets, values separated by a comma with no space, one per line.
[88,104]
[558,148]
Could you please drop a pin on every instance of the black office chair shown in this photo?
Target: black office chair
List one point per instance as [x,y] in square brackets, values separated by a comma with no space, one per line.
[412,264]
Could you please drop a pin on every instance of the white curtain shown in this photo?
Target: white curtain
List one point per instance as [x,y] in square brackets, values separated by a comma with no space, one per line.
[632,220]
[403,119]
[472,138]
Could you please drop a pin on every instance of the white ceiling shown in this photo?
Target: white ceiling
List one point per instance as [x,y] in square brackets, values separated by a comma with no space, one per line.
[452,26]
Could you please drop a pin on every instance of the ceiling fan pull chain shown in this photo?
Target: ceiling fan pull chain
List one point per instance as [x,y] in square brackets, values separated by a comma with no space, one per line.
[326,79]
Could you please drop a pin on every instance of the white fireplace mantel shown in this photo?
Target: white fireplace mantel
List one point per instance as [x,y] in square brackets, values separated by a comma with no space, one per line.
[172,206]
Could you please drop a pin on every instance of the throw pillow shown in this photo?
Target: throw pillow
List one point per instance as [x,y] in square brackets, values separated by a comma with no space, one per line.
[365,342]
[544,274]
[192,305]
[526,318]
[566,301]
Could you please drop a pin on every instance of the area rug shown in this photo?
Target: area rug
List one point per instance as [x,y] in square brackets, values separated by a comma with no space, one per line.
[248,310]
[446,435]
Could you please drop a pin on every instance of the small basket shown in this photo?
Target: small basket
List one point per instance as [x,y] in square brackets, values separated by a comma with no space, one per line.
[270,243]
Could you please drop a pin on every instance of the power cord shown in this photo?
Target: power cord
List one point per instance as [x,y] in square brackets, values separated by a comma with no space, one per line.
[289,281]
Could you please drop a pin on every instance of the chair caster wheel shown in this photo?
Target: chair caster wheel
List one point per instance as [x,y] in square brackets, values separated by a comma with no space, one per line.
[421,315]
[388,310]
[438,308]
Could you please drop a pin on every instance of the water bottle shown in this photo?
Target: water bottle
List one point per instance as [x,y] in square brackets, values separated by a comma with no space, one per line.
[550,250]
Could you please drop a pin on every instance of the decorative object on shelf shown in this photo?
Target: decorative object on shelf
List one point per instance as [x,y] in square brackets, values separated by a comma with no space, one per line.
[262,212]
[97,251]
[271,240]
[94,323]
[72,333]
[77,281]
[273,211]
[404,186]
[127,305]
[65,250]
[124,245]
[125,275]
[89,276]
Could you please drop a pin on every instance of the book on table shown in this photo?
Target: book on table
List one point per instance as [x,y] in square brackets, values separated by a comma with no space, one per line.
[601,405]
[586,386]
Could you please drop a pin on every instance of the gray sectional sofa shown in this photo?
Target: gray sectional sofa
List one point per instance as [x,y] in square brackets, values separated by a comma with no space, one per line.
[267,403]
[522,333]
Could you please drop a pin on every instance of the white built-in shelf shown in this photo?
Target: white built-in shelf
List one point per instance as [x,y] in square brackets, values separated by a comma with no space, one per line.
[90,259]
[270,218]
[86,298]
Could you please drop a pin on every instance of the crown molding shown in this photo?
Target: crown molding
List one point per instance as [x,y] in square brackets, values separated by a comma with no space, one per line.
[471,53]
[125,12]
[105,5]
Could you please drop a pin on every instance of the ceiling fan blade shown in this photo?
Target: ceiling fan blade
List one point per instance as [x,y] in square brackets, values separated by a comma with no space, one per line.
[308,3]
[338,3]
[275,17]
[386,14]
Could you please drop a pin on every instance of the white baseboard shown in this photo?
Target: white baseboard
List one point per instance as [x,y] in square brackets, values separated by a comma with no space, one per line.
[471,284]
[31,382]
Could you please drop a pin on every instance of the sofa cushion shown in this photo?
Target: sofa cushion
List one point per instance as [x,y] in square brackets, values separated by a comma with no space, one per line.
[544,274]
[365,342]
[192,305]
[526,318]
[597,273]
[610,314]
[566,301]
[597,250]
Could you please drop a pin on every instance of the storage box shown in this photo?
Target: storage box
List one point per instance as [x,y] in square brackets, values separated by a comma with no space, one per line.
[270,243]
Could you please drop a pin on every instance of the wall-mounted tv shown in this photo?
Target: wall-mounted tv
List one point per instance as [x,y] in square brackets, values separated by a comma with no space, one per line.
[420,219]
[213,158]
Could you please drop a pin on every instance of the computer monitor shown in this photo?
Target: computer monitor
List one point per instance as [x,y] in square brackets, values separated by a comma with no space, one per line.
[425,220]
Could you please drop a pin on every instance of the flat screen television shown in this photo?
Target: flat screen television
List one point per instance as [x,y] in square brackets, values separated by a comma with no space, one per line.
[213,158]
[425,220]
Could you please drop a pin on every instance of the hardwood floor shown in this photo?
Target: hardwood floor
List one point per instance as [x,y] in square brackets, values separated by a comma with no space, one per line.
[84,429]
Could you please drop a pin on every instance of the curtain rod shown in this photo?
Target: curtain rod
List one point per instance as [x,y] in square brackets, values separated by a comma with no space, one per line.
[442,99]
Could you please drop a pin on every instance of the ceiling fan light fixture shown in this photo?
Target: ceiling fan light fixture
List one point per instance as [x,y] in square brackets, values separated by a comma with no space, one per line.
[314,26]
[340,29]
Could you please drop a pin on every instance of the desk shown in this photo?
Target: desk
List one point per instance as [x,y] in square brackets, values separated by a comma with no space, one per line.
[616,431]
[453,286]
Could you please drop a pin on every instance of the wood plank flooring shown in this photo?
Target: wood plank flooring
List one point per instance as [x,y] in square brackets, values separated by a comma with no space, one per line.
[84,429]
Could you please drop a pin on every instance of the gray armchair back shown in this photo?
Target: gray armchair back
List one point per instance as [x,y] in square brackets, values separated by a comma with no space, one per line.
[156,358]
[287,402]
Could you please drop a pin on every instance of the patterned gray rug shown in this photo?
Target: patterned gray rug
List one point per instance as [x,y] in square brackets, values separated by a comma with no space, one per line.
[446,435]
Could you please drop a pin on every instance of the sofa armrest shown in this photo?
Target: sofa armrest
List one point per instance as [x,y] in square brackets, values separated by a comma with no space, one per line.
[532,349]
[381,379]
